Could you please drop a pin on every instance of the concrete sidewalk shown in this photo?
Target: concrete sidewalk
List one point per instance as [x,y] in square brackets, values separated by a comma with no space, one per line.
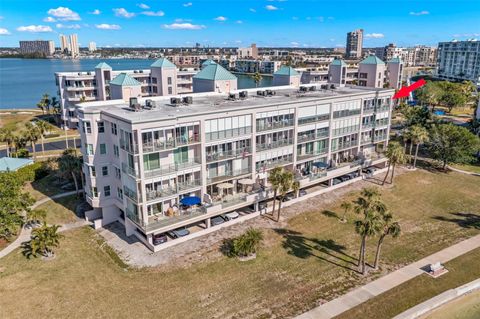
[355,297]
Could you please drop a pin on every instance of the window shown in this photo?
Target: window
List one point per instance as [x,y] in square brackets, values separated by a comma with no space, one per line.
[92,171]
[114,129]
[118,173]
[119,193]
[169,80]
[106,191]
[170,90]
[101,127]
[103,149]
[87,127]
[94,192]
[89,149]
[154,80]
[116,151]
[104,170]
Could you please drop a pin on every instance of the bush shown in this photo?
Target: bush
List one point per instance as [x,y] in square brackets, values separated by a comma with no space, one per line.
[32,172]
[22,153]
[244,245]
[52,135]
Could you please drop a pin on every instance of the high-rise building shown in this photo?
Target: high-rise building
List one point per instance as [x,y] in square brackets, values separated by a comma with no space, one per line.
[92,46]
[459,61]
[46,47]
[74,49]
[64,46]
[250,52]
[354,44]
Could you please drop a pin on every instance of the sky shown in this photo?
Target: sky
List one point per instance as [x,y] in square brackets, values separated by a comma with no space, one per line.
[237,23]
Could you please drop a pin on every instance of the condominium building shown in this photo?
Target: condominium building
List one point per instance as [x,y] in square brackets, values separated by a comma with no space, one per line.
[46,47]
[459,61]
[92,46]
[64,44]
[253,66]
[354,44]
[74,48]
[417,56]
[250,52]
[146,158]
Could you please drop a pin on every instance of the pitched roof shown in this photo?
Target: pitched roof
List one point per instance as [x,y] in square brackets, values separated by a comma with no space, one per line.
[10,164]
[286,70]
[338,62]
[124,79]
[214,72]
[372,59]
[163,63]
[208,62]
[395,60]
[103,65]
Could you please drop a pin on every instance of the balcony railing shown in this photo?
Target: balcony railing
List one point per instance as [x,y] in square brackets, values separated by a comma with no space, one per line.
[183,215]
[274,144]
[274,125]
[369,125]
[219,135]
[311,137]
[274,163]
[130,170]
[380,138]
[131,148]
[171,168]
[231,200]
[345,130]
[228,175]
[130,193]
[310,154]
[155,146]
[342,146]
[345,113]
[173,190]
[223,155]
[312,119]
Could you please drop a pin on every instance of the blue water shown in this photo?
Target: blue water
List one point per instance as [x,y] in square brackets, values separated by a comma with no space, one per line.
[24,81]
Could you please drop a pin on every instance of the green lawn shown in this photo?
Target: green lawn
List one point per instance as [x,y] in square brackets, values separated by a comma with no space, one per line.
[310,259]
[61,210]
[474,168]
[417,290]
[46,186]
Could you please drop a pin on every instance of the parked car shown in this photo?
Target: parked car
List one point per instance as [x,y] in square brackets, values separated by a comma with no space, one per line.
[369,170]
[302,192]
[336,181]
[230,216]
[352,175]
[217,220]
[159,239]
[248,210]
[287,197]
[180,232]
[344,178]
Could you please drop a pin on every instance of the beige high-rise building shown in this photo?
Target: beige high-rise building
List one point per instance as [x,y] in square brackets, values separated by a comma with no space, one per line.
[74,49]
[354,44]
[92,46]
[64,47]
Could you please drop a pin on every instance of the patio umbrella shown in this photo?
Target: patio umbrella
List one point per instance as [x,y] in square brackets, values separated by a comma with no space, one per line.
[320,165]
[225,185]
[246,181]
[190,201]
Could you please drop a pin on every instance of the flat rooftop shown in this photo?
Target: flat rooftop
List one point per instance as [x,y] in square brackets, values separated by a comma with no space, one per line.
[211,102]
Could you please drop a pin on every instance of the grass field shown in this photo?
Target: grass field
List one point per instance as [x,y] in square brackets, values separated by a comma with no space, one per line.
[465,307]
[474,168]
[461,270]
[61,210]
[310,259]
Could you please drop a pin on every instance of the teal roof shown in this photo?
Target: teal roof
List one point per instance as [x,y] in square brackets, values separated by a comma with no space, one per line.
[214,72]
[163,63]
[10,164]
[103,65]
[208,62]
[124,79]
[338,62]
[395,60]
[286,70]
[372,59]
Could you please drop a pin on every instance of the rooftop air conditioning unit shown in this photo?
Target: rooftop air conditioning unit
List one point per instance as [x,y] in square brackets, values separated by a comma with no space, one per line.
[261,93]
[133,101]
[148,104]
[89,73]
[332,86]
[243,94]
[313,88]
[188,100]
[135,71]
[175,101]
[324,86]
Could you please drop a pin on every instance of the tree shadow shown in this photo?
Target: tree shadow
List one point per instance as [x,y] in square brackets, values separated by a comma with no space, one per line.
[462,219]
[226,248]
[330,213]
[327,250]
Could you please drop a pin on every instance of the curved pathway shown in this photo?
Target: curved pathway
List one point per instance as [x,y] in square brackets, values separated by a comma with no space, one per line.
[25,233]
[462,171]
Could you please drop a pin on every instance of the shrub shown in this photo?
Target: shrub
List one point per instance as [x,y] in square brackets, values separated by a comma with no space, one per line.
[22,153]
[32,172]
[246,244]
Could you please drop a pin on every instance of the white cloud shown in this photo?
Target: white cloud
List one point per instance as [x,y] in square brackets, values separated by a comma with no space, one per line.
[374,35]
[295,44]
[64,14]
[153,13]
[4,31]
[220,18]
[252,10]
[239,21]
[143,6]
[188,4]
[121,12]
[49,19]
[105,26]
[71,26]
[271,8]
[419,13]
[35,28]
[183,26]
[96,12]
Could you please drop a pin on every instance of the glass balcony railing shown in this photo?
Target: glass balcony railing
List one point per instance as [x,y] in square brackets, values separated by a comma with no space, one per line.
[273,163]
[130,193]
[161,145]
[342,146]
[345,130]
[380,138]
[131,148]
[224,155]
[274,144]
[178,188]
[311,137]
[311,154]
[313,119]
[211,179]
[181,215]
[274,125]
[172,168]
[130,170]
[230,133]
[345,113]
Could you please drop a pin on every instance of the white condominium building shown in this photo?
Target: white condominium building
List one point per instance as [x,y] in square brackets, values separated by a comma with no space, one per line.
[182,164]
[459,61]
[74,48]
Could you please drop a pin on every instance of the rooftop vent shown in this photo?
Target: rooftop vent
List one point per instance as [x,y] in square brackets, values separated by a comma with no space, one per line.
[187,100]
[243,95]
[150,104]
[233,96]
[312,88]
[270,92]
[175,101]
[134,105]
[261,93]
[303,89]
[324,86]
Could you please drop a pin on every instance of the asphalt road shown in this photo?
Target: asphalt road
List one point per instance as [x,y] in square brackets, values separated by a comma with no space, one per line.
[49,146]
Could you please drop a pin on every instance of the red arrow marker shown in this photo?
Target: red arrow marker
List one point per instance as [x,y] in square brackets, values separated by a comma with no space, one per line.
[406,90]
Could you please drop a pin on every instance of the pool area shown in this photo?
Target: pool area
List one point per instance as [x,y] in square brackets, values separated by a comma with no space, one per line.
[439,112]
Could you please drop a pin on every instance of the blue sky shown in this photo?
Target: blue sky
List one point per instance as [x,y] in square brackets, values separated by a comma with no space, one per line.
[302,23]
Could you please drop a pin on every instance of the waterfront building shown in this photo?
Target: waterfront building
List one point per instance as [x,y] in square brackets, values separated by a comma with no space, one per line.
[253,66]
[286,75]
[214,78]
[142,159]
[64,44]
[92,46]
[46,47]
[74,48]
[459,61]
[354,44]
[250,52]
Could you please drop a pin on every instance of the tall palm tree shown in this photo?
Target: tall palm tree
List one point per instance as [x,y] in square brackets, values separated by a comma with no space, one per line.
[7,137]
[389,227]
[71,164]
[274,180]
[19,141]
[44,240]
[257,78]
[367,227]
[32,134]
[346,206]
[396,155]
[43,127]
[46,102]
[419,136]
[287,179]
[36,216]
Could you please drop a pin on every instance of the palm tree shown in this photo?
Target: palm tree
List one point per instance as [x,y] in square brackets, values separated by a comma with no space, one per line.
[369,226]
[274,180]
[257,78]
[7,137]
[389,227]
[71,164]
[20,141]
[286,181]
[396,155]
[346,206]
[32,134]
[419,136]
[46,102]
[43,127]
[296,188]
[36,216]
[44,240]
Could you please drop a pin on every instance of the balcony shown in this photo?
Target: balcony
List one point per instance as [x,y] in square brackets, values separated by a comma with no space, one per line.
[273,164]
[130,193]
[380,137]
[311,154]
[130,171]
[342,146]
[130,148]
[228,175]
[231,200]
[182,215]
[168,191]
[274,144]
[80,88]
[230,133]
[158,146]
[172,168]
[345,113]
[368,110]
[230,154]
[368,126]
[311,137]
[275,125]
[313,119]
[345,130]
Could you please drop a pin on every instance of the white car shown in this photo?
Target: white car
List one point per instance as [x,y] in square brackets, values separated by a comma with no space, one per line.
[231,216]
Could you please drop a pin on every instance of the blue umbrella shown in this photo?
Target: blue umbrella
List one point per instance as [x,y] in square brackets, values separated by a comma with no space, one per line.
[320,165]
[190,201]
